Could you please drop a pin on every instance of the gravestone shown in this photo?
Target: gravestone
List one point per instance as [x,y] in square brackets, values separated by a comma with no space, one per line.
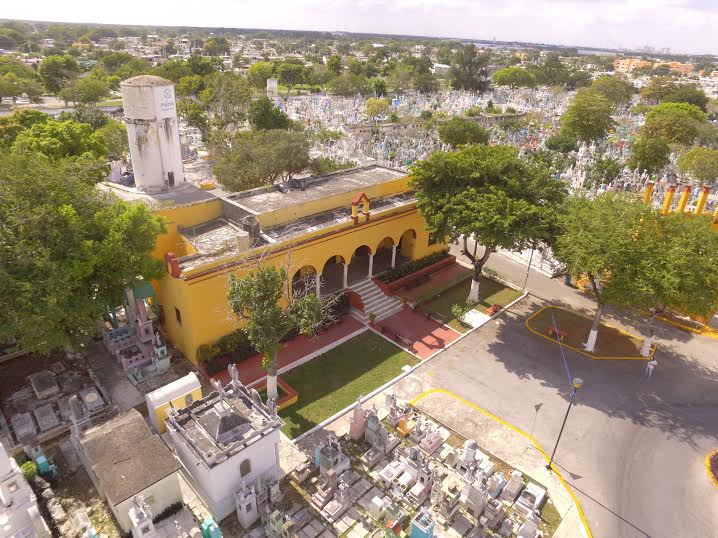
[46,417]
[44,384]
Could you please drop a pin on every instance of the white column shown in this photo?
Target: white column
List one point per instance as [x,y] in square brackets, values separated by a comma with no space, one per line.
[346,275]
[318,283]
[393,256]
[371,265]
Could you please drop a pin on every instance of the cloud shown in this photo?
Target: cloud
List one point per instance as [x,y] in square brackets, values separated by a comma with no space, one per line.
[683,25]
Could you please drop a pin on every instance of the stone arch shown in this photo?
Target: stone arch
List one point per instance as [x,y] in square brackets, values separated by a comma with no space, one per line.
[359,264]
[406,245]
[333,274]
[304,279]
[384,256]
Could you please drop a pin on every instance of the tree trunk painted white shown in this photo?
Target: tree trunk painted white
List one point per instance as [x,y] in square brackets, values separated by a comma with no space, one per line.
[474,292]
[648,342]
[590,344]
[272,379]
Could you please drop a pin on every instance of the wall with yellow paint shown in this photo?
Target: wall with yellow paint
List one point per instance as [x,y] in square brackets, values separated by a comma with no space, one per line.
[201,294]
[178,403]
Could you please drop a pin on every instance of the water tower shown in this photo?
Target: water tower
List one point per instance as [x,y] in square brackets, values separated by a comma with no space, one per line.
[153,131]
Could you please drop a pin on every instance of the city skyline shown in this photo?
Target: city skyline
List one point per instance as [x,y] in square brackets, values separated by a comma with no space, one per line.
[681,25]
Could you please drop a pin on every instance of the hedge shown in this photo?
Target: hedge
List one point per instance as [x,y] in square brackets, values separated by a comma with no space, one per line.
[29,470]
[403,270]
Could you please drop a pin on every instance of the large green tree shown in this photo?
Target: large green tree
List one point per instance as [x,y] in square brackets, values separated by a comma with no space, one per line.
[588,117]
[226,99]
[67,250]
[255,158]
[263,115]
[490,195]
[675,123]
[56,71]
[263,300]
[593,235]
[461,131]
[672,263]
[259,72]
[57,139]
[701,163]
[514,77]
[650,154]
[616,89]
[688,93]
[469,69]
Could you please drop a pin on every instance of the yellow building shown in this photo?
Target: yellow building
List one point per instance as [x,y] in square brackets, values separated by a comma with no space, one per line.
[627,65]
[343,228]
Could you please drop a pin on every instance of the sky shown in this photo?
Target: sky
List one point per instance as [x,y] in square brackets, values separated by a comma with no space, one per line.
[682,25]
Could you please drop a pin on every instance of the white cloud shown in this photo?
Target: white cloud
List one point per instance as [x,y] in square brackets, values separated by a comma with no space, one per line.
[683,25]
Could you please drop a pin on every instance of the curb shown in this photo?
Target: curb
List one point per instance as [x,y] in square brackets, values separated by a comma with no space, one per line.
[531,439]
[581,351]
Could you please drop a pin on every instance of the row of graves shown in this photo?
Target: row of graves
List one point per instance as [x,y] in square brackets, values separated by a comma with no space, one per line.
[400,473]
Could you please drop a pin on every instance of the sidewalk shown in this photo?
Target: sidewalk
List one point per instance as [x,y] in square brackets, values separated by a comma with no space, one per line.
[296,351]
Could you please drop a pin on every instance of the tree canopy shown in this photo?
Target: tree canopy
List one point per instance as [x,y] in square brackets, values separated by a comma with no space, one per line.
[469,69]
[56,71]
[616,89]
[514,77]
[650,154]
[263,115]
[67,250]
[461,131]
[701,163]
[675,123]
[490,194]
[588,117]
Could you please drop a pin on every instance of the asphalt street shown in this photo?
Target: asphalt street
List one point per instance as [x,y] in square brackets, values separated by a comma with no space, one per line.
[633,450]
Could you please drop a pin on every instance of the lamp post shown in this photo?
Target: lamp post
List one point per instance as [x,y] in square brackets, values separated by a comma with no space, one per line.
[577,384]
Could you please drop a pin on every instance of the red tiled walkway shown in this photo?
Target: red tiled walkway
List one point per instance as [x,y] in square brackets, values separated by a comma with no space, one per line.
[428,336]
[250,370]
[451,272]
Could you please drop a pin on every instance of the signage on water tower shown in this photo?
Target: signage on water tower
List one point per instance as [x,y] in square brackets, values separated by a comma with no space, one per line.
[165,101]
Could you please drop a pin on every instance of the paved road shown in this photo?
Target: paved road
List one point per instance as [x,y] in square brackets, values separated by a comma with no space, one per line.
[633,451]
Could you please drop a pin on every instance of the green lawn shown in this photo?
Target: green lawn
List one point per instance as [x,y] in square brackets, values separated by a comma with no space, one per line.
[330,383]
[490,292]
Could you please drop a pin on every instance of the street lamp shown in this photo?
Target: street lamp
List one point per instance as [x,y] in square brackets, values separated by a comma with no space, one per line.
[577,384]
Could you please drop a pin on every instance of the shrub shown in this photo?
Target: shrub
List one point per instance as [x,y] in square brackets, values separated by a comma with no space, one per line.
[207,352]
[236,342]
[171,510]
[29,470]
[408,268]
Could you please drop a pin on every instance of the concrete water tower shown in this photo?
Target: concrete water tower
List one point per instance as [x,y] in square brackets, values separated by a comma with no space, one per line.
[153,132]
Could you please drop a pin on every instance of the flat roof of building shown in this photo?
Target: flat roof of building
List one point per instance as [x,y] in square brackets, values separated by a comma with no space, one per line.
[126,457]
[262,200]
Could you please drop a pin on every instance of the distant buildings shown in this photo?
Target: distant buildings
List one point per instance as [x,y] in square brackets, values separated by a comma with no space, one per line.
[628,65]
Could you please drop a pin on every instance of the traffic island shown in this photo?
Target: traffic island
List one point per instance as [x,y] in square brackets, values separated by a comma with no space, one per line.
[571,330]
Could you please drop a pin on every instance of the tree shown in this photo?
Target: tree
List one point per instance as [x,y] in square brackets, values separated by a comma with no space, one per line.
[56,71]
[334,65]
[11,126]
[469,70]
[264,115]
[399,79]
[701,163]
[258,74]
[650,154]
[562,141]
[290,74]
[616,89]
[461,131]
[671,263]
[216,46]
[114,134]
[68,250]
[378,86]
[514,77]
[489,194]
[348,84]
[604,169]
[58,139]
[675,123]
[588,117]
[658,88]
[551,72]
[226,98]
[594,233]
[85,90]
[688,93]
[375,107]
[256,158]
[264,302]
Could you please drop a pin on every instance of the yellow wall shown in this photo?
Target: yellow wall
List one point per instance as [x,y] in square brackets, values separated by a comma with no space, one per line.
[177,403]
[201,294]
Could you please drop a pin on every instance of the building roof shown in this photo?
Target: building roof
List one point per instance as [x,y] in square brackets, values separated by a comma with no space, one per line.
[173,390]
[149,462]
[262,201]
[125,456]
[146,80]
[115,437]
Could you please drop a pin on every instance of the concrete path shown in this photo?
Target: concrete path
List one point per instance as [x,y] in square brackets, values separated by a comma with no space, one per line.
[426,335]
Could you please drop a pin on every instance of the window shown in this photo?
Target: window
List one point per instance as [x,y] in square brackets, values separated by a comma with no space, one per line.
[245,468]
[432,238]
[178,315]
[188,400]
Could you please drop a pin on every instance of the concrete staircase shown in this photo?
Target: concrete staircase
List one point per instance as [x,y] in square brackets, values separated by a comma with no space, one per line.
[375,301]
